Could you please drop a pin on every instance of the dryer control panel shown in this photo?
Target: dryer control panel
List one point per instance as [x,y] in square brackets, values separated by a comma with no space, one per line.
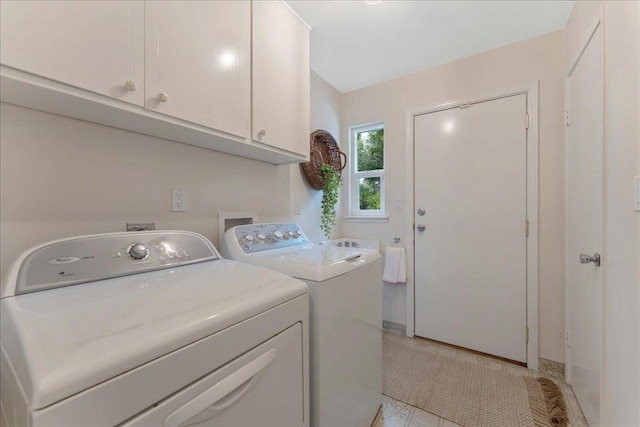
[104,256]
[254,238]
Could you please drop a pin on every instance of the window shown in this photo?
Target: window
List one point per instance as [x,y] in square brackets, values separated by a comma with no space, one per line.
[367,170]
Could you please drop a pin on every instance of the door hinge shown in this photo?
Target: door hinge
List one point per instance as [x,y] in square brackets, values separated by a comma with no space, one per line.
[526,228]
[526,121]
[567,118]
[527,333]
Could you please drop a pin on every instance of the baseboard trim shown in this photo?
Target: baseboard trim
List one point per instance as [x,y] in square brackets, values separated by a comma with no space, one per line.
[551,368]
[393,326]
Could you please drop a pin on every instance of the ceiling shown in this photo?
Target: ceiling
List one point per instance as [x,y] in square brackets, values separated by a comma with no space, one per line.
[355,44]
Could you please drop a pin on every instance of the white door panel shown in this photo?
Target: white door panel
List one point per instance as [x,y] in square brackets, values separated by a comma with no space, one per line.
[470,262]
[584,227]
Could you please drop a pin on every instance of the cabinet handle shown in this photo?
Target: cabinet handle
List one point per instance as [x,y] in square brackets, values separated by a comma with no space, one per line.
[262,132]
[131,86]
[163,97]
[234,386]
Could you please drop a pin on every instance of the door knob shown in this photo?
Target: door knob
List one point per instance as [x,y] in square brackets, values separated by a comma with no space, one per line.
[586,259]
[421,227]
[421,212]
[163,97]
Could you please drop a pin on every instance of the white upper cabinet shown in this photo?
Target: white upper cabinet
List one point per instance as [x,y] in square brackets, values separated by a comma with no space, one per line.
[198,62]
[280,77]
[93,45]
[229,75]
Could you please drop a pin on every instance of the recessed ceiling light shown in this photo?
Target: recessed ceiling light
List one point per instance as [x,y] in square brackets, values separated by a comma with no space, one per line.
[372,1]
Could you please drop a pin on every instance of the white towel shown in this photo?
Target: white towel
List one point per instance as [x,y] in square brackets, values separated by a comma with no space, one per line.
[395,265]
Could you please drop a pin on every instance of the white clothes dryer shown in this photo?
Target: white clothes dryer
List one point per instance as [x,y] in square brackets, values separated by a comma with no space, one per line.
[345,285]
[150,329]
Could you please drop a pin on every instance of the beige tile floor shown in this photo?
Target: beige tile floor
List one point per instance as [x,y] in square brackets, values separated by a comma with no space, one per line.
[395,413]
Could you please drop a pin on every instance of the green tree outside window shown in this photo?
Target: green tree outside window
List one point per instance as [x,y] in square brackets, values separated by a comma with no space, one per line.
[370,147]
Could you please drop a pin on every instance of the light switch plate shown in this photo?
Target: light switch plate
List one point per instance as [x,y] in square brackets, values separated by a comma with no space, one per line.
[397,204]
[636,193]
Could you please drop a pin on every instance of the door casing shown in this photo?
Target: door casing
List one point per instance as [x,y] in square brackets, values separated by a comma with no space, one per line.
[531,90]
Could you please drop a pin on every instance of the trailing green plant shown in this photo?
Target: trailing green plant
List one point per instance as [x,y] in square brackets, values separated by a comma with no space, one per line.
[330,194]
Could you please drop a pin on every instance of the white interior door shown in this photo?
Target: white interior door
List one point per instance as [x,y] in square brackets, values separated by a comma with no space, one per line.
[584,227]
[470,260]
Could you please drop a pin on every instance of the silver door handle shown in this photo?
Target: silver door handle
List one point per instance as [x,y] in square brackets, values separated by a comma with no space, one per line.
[586,259]
[421,227]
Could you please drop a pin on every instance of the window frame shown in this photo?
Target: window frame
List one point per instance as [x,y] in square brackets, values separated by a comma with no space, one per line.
[355,175]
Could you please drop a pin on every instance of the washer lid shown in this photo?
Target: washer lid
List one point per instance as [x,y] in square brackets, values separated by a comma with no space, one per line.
[65,340]
[316,256]
[318,262]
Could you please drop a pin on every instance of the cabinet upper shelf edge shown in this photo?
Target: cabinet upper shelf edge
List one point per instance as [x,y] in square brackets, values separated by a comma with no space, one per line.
[26,90]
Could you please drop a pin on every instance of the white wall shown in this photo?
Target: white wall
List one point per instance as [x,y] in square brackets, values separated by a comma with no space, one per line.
[540,58]
[325,108]
[622,237]
[621,254]
[63,177]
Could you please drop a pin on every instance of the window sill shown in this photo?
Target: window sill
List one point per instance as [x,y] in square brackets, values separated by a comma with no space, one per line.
[372,218]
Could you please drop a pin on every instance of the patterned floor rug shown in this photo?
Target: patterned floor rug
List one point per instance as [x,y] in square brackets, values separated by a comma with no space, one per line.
[468,394]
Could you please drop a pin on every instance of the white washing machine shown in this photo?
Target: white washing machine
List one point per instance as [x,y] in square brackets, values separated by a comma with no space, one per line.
[345,285]
[150,329]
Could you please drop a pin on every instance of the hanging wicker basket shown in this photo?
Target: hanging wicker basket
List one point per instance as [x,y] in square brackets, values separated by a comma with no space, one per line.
[324,150]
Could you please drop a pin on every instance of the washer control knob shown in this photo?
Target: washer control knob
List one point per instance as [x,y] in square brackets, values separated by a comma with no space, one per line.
[297,234]
[138,251]
[276,235]
[248,239]
[289,235]
[260,237]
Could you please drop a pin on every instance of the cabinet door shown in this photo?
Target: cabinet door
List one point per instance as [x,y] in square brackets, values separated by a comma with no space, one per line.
[94,45]
[280,78]
[197,62]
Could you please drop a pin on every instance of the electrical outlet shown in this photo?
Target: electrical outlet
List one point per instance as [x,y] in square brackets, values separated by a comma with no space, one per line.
[178,201]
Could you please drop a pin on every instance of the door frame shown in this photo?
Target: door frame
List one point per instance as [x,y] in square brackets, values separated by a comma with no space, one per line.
[597,21]
[531,90]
